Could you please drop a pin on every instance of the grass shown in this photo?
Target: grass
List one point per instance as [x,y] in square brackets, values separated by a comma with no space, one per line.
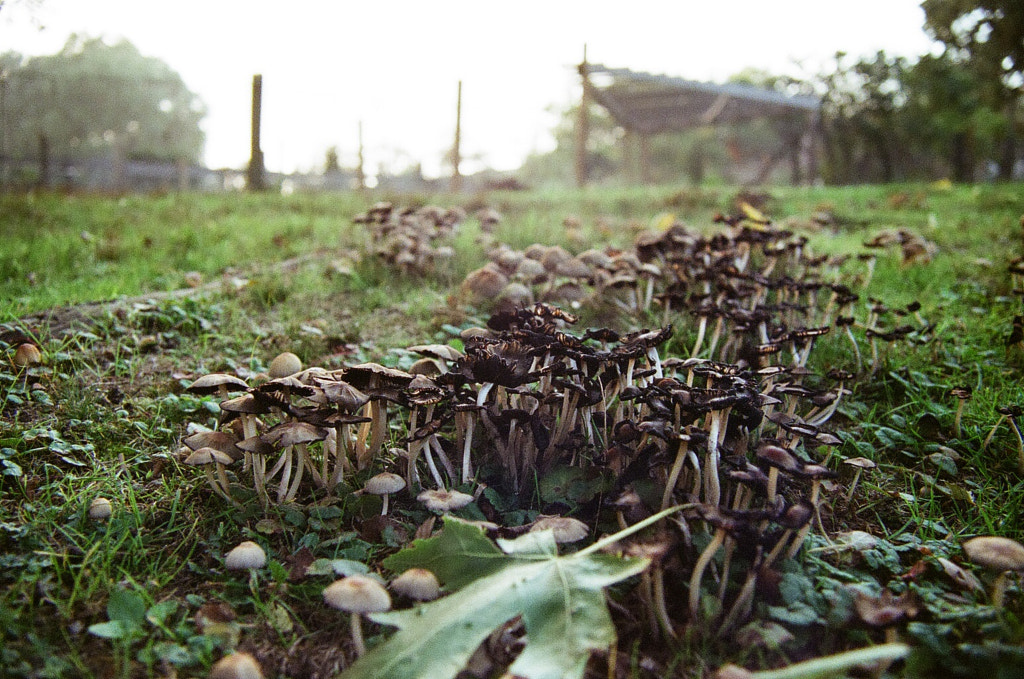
[105,413]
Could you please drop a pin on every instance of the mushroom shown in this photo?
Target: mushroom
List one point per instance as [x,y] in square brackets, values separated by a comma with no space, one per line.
[886,611]
[100,509]
[237,665]
[217,383]
[444,501]
[209,458]
[999,554]
[246,555]
[418,584]
[283,365]
[26,355]
[357,594]
[962,394]
[384,484]
[564,529]
[860,464]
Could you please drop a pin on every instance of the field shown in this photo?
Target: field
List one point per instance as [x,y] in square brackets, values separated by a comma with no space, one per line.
[876,324]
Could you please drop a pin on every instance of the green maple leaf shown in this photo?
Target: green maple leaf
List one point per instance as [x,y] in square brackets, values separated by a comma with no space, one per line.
[560,599]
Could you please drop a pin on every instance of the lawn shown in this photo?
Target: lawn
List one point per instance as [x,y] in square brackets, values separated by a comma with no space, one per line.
[697,383]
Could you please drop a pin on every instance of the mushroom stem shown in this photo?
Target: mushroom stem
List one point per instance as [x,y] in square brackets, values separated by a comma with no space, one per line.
[673,477]
[992,432]
[956,419]
[660,608]
[698,570]
[999,589]
[701,329]
[1020,442]
[467,472]
[853,485]
[357,634]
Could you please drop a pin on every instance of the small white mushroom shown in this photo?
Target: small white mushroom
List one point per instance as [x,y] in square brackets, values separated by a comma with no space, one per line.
[357,594]
[417,583]
[237,665]
[246,556]
[100,509]
[998,554]
[384,484]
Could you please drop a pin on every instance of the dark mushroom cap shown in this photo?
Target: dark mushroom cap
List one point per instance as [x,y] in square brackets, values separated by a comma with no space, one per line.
[963,393]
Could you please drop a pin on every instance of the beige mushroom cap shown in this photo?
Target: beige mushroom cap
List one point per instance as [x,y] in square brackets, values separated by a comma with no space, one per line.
[860,463]
[237,665]
[995,553]
[283,365]
[100,509]
[357,594]
[384,483]
[564,528]
[207,455]
[444,500]
[247,555]
[417,583]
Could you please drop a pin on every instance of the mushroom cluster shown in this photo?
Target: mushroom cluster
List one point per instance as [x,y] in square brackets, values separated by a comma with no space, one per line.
[750,290]
[739,443]
[411,239]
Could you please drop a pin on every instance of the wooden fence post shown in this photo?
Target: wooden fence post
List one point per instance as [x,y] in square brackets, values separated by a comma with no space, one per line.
[256,180]
[456,183]
[583,125]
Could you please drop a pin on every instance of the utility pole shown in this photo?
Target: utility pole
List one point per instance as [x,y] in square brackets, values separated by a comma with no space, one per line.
[456,184]
[256,180]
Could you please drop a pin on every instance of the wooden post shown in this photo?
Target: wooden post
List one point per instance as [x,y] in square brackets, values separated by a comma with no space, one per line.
[645,158]
[256,180]
[456,183]
[44,162]
[583,125]
[360,172]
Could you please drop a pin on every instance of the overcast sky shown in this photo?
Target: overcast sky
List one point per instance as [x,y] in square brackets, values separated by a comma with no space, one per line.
[395,65]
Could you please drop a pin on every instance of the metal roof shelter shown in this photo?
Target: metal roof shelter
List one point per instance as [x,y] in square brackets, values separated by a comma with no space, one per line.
[647,104]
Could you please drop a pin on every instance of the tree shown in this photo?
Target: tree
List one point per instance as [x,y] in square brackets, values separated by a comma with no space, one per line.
[92,98]
[986,36]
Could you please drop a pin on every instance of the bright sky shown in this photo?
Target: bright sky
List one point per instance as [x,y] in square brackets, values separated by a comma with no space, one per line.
[395,65]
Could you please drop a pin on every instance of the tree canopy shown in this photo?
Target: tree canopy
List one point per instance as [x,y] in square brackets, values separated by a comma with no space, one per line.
[92,98]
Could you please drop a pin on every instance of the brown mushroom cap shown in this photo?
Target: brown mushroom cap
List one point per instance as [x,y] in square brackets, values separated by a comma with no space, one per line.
[962,392]
[995,553]
[27,354]
[417,583]
[357,594]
